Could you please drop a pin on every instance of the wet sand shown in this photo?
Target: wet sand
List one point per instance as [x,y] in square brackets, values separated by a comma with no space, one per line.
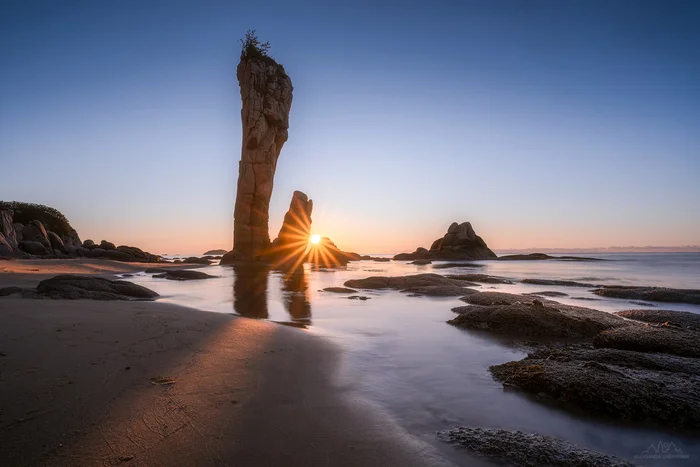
[81,384]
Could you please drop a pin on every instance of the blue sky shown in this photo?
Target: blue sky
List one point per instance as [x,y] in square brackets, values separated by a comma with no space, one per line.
[545,124]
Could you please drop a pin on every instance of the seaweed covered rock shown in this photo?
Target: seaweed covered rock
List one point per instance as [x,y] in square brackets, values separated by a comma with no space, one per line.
[681,319]
[405,282]
[651,294]
[649,338]
[183,275]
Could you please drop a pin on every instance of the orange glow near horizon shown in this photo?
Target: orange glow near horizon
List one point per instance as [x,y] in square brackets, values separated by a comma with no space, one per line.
[315,238]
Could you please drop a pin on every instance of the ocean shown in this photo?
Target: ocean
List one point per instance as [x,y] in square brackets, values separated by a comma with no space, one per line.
[399,353]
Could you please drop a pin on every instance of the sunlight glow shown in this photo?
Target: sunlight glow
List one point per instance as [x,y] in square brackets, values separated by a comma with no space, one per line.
[315,239]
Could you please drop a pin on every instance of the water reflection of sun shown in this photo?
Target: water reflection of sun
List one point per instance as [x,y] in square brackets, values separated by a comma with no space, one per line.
[315,239]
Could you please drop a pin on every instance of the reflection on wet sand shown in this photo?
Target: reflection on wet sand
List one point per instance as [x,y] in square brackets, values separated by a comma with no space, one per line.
[296,298]
[250,286]
[250,289]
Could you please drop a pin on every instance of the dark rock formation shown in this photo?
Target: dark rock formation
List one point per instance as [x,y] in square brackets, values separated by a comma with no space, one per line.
[556,282]
[439,291]
[289,248]
[339,290]
[231,257]
[483,278]
[72,287]
[681,319]
[520,449]
[214,252]
[34,248]
[648,338]
[195,260]
[652,294]
[542,256]
[516,315]
[657,389]
[266,94]
[549,293]
[405,282]
[459,243]
[105,245]
[457,265]
[421,262]
[7,228]
[359,297]
[327,255]
[183,275]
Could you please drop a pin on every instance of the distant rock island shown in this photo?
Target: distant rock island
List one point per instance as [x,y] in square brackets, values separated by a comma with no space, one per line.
[214,252]
[459,243]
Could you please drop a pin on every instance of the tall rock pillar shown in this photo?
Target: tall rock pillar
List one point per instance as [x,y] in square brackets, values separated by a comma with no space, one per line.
[266,94]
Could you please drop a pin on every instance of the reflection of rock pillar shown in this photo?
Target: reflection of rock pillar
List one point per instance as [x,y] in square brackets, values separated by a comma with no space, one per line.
[250,289]
[296,298]
[266,94]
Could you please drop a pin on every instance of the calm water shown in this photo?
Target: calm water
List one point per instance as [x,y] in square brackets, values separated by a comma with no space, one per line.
[428,375]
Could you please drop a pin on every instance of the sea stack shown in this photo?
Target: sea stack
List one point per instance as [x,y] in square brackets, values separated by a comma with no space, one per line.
[266,95]
[292,242]
[459,243]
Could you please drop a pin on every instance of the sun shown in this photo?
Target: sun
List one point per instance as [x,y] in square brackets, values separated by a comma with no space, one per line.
[315,239]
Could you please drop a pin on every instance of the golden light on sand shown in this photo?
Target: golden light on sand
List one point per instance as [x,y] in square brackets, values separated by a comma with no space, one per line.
[315,239]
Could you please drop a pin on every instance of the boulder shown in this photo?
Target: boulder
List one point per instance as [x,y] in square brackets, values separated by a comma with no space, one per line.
[56,242]
[34,248]
[266,94]
[5,248]
[439,291]
[195,260]
[7,228]
[97,252]
[118,255]
[73,287]
[89,244]
[183,275]
[421,262]
[105,245]
[459,243]
[339,290]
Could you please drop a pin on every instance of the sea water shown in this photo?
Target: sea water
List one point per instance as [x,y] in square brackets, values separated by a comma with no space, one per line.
[399,353]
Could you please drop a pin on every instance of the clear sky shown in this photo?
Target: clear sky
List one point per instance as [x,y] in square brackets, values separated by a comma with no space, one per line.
[544,123]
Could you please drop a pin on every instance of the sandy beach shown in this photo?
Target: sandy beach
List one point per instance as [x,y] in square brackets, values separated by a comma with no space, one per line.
[150,384]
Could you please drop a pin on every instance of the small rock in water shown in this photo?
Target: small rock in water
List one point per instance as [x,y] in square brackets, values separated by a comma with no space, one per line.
[358,297]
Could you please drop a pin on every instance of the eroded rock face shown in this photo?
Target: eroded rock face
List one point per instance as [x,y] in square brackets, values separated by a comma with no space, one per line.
[7,228]
[290,245]
[459,243]
[266,94]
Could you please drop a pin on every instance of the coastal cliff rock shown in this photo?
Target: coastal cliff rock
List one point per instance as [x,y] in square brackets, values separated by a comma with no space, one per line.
[28,230]
[459,243]
[266,94]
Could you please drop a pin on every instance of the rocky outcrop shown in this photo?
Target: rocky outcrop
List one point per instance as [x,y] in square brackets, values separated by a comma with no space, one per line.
[289,248]
[405,282]
[543,256]
[183,275]
[655,389]
[32,238]
[520,449]
[459,243]
[651,294]
[648,338]
[266,94]
[534,319]
[327,255]
[681,319]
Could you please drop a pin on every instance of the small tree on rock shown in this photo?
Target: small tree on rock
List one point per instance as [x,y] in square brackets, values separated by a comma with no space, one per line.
[251,47]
